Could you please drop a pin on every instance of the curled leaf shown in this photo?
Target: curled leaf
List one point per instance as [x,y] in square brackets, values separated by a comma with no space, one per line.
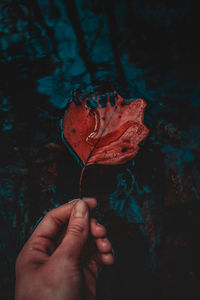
[102,132]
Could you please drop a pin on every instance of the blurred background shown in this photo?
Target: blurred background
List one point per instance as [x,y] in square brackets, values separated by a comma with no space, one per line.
[150,206]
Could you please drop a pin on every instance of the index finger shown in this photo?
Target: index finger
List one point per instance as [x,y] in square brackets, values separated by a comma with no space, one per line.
[55,219]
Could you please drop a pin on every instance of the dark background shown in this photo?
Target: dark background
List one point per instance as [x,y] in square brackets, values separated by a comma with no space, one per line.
[150,206]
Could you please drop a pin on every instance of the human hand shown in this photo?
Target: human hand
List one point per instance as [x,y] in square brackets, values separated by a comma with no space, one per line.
[55,264]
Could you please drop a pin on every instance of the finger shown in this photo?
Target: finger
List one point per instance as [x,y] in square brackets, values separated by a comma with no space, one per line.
[41,243]
[91,202]
[107,258]
[97,230]
[51,227]
[77,233]
[54,220]
[57,218]
[103,245]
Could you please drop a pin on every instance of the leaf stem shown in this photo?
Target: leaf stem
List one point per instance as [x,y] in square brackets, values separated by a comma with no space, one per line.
[91,152]
[80,182]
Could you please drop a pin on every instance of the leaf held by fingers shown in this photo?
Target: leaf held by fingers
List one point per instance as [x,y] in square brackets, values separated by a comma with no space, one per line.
[103,129]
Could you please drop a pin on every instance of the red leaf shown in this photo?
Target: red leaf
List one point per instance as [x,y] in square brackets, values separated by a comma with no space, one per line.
[108,134]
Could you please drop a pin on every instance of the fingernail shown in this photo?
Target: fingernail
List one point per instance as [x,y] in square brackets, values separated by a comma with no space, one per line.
[80,209]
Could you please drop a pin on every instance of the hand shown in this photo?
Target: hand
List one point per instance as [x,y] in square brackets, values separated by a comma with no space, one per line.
[55,264]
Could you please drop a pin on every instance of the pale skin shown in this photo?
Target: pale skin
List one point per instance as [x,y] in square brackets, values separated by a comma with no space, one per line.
[56,262]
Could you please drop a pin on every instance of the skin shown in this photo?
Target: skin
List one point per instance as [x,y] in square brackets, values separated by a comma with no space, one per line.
[61,259]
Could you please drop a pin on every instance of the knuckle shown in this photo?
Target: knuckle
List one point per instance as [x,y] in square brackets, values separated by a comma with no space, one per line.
[50,213]
[51,217]
[76,228]
[22,260]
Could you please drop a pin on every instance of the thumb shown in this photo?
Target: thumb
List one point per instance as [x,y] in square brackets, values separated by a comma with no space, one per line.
[77,232]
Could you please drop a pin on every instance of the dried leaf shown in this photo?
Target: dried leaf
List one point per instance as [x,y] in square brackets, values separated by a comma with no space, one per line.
[106,133]
[99,131]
